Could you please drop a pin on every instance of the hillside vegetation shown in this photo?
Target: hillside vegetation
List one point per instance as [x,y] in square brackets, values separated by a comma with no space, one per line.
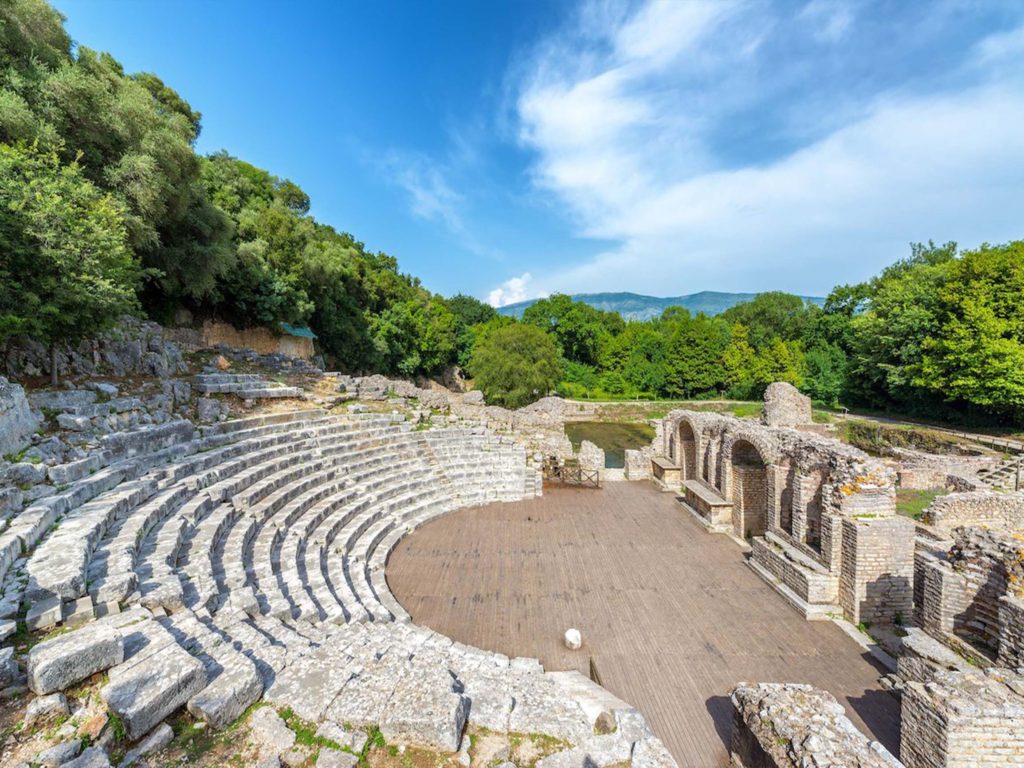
[106,208]
[636,306]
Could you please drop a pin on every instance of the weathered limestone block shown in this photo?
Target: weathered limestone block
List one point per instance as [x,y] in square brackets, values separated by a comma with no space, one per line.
[148,692]
[56,664]
[922,657]
[235,689]
[17,421]
[45,708]
[590,456]
[784,406]
[651,753]
[60,754]
[424,709]
[595,752]
[8,667]
[93,757]
[269,730]
[785,725]
[961,719]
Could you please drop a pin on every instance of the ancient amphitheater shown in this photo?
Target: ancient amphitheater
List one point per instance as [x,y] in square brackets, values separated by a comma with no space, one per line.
[224,571]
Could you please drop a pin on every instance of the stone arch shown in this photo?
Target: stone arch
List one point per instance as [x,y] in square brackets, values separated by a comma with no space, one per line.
[687,447]
[749,488]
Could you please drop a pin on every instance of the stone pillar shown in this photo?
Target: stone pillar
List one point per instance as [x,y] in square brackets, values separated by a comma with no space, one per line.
[943,597]
[876,582]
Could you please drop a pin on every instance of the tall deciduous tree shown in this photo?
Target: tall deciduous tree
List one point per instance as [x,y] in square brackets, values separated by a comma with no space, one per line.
[515,365]
[66,271]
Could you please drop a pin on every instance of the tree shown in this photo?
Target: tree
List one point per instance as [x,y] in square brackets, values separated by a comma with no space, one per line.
[825,373]
[515,365]
[769,315]
[976,351]
[66,271]
[470,310]
[582,332]
[738,362]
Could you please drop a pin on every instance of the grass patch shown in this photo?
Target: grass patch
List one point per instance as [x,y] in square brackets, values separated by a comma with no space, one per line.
[911,503]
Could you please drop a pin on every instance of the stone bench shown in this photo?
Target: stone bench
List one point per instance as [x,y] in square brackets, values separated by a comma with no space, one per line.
[713,510]
[665,473]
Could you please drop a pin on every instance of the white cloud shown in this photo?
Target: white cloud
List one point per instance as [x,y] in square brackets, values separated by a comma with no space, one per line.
[624,122]
[431,197]
[512,290]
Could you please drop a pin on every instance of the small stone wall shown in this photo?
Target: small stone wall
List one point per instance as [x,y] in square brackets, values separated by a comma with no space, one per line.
[997,510]
[638,464]
[784,725]
[962,720]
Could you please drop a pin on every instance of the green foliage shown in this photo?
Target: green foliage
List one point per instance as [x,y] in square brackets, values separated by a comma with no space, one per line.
[770,315]
[515,364]
[65,267]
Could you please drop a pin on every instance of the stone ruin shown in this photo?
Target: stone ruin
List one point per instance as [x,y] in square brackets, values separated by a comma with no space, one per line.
[785,406]
[211,566]
[792,726]
[818,514]
[820,521]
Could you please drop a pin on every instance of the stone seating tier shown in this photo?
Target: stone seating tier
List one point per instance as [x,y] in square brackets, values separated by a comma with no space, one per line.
[247,560]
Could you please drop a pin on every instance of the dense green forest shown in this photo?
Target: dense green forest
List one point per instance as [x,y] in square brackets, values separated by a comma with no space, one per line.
[106,208]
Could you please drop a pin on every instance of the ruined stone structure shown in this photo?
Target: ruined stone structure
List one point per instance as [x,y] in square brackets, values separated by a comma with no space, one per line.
[818,514]
[209,567]
[785,406]
[793,726]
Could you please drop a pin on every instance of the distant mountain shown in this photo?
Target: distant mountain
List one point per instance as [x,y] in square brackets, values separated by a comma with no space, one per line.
[635,306]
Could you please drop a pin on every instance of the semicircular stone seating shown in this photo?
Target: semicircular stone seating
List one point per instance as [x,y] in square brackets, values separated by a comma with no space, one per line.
[209,568]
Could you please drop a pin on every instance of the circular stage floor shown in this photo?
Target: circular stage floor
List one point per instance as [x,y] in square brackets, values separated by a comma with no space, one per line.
[672,618]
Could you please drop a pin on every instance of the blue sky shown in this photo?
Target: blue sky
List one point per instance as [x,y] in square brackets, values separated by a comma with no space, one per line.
[513,149]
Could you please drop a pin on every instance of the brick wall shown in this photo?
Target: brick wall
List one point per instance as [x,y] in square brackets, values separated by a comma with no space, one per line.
[876,582]
[961,720]
[1011,632]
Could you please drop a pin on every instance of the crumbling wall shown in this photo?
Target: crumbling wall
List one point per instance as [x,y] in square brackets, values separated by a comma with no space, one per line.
[785,725]
[963,720]
[996,510]
[785,406]
[132,347]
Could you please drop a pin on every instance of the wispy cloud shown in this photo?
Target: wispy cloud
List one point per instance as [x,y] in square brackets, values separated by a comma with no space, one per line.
[715,143]
[512,290]
[431,197]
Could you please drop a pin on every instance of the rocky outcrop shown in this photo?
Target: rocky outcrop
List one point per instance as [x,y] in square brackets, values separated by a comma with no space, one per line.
[17,421]
[132,347]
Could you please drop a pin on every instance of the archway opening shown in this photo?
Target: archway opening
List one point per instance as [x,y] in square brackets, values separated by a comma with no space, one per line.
[749,490]
[687,451]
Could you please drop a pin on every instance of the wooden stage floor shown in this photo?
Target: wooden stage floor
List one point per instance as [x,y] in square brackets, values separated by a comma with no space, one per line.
[671,615]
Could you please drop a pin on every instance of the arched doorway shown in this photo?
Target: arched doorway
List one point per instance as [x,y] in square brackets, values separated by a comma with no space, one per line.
[687,447]
[749,490]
